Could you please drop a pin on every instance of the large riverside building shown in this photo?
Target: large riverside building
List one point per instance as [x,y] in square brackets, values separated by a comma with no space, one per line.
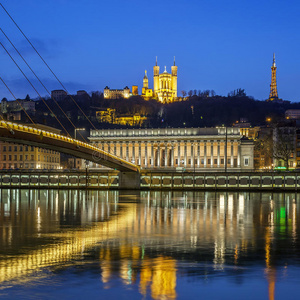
[183,148]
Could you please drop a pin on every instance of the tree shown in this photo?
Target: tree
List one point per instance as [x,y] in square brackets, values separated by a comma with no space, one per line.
[284,144]
[183,93]
[190,93]
[27,98]
[263,148]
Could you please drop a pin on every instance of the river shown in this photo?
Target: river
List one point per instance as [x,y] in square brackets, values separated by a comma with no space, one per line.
[77,244]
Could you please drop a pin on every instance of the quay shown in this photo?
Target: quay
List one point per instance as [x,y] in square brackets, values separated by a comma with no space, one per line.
[151,180]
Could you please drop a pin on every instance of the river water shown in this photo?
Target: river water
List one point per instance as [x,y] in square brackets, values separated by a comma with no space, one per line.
[74,244]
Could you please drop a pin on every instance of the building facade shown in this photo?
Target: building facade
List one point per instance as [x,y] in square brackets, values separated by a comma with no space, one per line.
[206,149]
[146,92]
[165,84]
[110,116]
[58,95]
[14,156]
[116,94]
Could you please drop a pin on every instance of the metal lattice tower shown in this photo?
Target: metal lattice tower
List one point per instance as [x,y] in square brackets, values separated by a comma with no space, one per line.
[273,85]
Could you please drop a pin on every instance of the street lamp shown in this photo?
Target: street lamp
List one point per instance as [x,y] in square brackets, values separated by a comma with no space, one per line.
[77,129]
[225,152]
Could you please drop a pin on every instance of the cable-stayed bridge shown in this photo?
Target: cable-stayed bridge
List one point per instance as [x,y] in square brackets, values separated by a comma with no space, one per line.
[23,134]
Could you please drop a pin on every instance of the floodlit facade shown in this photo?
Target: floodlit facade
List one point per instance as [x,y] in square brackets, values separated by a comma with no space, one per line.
[165,84]
[179,148]
[109,116]
[116,94]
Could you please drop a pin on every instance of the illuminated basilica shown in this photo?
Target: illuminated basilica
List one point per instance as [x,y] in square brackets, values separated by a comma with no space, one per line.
[164,85]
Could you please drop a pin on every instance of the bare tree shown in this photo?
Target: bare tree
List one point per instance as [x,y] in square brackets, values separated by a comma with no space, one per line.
[183,93]
[263,147]
[190,93]
[284,144]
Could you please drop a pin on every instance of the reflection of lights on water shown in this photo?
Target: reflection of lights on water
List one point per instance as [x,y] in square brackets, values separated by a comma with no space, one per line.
[39,220]
[222,204]
[230,206]
[294,216]
[241,204]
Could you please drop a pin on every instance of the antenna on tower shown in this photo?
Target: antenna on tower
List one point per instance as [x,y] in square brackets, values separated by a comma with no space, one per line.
[156,61]
[174,60]
[274,63]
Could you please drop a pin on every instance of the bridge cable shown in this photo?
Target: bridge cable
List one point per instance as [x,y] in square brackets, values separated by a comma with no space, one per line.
[50,71]
[47,65]
[35,89]
[40,82]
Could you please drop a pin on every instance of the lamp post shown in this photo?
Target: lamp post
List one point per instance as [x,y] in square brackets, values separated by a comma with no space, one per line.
[77,129]
[225,152]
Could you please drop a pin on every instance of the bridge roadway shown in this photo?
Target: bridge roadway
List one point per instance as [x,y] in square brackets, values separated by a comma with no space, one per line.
[29,135]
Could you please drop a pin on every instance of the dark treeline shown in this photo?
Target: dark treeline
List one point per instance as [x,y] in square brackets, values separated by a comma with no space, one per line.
[195,111]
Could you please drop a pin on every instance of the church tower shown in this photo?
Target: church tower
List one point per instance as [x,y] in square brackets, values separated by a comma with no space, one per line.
[273,86]
[155,78]
[174,79]
[145,81]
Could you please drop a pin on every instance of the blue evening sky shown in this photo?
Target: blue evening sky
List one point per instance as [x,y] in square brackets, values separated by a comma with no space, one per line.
[219,44]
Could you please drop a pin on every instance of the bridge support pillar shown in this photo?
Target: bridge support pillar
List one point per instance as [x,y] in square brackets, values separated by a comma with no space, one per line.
[129,180]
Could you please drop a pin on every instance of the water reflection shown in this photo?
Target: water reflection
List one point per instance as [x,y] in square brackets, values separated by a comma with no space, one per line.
[150,241]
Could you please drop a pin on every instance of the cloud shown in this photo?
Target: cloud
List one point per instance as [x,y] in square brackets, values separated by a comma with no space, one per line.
[47,48]
[20,87]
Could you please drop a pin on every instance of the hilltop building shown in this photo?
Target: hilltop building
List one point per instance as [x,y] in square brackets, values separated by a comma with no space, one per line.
[164,85]
[14,110]
[135,90]
[59,95]
[116,93]
[146,92]
[109,116]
